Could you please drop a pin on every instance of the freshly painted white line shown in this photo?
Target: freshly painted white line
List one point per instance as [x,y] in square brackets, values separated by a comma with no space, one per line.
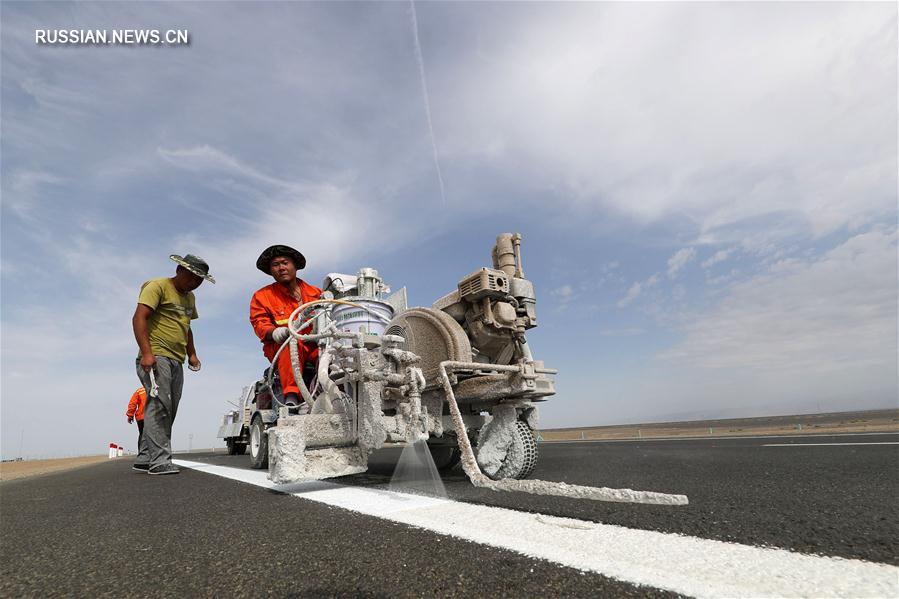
[729,438]
[827,444]
[688,565]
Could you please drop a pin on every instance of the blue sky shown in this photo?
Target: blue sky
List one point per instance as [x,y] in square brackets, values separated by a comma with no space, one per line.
[707,193]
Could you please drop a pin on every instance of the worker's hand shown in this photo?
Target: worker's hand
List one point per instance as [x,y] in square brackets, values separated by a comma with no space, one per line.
[280,334]
[130,419]
[147,362]
[193,362]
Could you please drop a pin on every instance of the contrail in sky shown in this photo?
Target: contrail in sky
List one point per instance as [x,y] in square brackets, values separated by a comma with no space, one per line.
[424,91]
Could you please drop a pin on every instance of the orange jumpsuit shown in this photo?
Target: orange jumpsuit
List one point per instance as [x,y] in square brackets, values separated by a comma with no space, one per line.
[271,308]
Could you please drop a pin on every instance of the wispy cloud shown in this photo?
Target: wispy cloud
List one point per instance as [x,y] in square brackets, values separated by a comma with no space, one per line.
[831,313]
[716,258]
[679,260]
[208,159]
[633,293]
[25,190]
[563,296]
[635,290]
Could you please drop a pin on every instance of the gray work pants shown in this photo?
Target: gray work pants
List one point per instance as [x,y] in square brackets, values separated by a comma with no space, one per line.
[159,412]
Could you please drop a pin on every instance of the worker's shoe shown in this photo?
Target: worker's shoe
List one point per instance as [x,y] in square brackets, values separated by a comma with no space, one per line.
[140,467]
[164,469]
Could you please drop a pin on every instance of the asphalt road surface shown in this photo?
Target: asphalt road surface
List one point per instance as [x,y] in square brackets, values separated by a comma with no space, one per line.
[106,530]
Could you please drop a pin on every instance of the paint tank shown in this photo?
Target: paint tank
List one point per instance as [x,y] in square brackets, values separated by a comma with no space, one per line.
[371,319]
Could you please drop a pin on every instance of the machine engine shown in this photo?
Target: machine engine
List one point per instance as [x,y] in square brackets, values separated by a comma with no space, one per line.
[496,306]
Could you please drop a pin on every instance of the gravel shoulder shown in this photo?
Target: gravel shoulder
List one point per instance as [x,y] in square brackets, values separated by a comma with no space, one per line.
[14,470]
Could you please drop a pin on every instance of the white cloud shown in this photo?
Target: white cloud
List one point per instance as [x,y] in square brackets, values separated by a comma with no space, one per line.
[564,296]
[723,129]
[725,278]
[632,294]
[564,292]
[680,259]
[837,312]
[717,257]
[637,289]
[25,188]
[207,159]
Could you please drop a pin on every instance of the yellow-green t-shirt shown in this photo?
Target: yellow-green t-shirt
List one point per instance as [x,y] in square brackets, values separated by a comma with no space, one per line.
[170,322]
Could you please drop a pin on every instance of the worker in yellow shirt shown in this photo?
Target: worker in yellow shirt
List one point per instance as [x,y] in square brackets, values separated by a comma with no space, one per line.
[161,323]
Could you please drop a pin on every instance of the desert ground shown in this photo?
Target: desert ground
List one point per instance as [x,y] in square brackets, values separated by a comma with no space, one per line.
[876,421]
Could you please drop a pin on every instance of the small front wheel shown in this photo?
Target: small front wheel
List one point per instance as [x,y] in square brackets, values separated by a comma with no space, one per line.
[232,446]
[258,445]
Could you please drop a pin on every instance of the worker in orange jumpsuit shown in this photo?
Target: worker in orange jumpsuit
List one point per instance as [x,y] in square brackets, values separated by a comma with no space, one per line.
[136,412]
[270,310]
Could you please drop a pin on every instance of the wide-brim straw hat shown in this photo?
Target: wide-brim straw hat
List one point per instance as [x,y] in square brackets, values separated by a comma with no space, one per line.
[194,264]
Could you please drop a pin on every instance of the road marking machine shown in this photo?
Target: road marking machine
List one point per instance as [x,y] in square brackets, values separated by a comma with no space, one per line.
[458,375]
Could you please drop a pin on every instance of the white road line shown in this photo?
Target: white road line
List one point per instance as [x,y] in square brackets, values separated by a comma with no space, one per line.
[827,444]
[688,565]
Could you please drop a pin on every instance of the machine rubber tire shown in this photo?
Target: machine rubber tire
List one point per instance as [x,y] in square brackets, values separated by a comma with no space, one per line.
[529,442]
[258,445]
[446,457]
[230,443]
[240,448]
[525,443]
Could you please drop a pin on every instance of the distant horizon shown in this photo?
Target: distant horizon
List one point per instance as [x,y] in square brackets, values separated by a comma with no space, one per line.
[131,451]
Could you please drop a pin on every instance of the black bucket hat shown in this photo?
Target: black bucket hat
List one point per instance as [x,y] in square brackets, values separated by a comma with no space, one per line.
[264,261]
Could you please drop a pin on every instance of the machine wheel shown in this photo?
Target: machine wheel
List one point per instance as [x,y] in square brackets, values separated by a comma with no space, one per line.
[521,459]
[529,445]
[445,457]
[236,447]
[258,445]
